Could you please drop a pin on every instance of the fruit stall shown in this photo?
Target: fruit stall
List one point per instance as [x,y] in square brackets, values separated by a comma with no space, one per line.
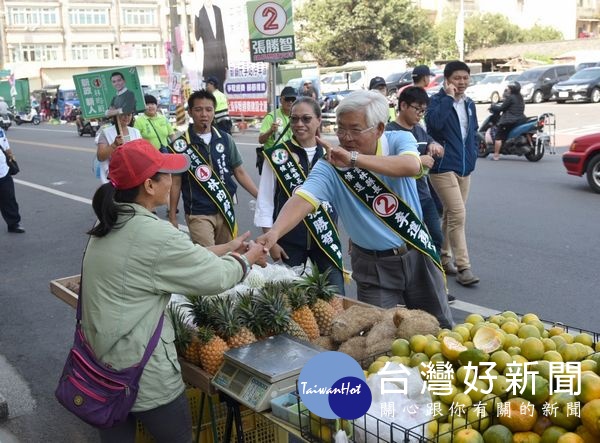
[506,378]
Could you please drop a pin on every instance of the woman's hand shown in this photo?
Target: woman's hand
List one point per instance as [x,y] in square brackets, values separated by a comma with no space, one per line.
[257,254]
[239,244]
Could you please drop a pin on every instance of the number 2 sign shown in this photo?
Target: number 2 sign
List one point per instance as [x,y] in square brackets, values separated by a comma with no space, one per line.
[270,18]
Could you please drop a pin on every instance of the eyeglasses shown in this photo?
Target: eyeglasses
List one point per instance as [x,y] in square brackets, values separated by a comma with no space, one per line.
[420,111]
[305,119]
[289,99]
[341,132]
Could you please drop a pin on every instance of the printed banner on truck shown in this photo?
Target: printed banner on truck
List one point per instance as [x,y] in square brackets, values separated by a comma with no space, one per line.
[271,30]
[109,92]
[246,89]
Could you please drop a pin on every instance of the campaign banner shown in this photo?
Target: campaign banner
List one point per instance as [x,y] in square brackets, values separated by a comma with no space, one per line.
[246,89]
[271,30]
[109,92]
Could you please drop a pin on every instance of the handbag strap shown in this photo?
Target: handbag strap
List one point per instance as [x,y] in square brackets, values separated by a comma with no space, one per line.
[153,340]
[282,133]
[156,132]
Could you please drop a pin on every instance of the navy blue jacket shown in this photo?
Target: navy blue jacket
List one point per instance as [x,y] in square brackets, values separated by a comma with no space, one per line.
[443,125]
[195,200]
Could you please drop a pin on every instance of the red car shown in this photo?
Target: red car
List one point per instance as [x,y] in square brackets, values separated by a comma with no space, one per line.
[583,157]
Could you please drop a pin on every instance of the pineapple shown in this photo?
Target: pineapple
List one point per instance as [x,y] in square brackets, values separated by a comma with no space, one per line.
[320,294]
[227,323]
[275,313]
[212,350]
[248,313]
[301,313]
[186,341]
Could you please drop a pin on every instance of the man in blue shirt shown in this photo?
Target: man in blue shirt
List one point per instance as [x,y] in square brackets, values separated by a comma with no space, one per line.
[369,179]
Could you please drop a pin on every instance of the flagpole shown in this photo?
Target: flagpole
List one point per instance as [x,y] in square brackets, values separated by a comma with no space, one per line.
[460,31]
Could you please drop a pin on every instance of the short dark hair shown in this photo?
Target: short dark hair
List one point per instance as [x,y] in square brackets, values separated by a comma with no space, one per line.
[114,74]
[201,94]
[150,99]
[454,66]
[413,94]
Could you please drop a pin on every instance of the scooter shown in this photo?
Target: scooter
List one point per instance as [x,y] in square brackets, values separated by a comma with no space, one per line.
[5,121]
[28,117]
[527,138]
[85,126]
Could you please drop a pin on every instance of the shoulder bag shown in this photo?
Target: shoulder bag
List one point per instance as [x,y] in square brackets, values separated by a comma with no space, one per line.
[162,148]
[94,392]
[13,166]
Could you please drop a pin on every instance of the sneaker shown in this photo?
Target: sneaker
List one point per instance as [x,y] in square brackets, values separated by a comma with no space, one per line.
[451,299]
[449,268]
[16,229]
[466,277]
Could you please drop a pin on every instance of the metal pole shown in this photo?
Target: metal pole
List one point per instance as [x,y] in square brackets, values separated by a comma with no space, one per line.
[176,60]
[273,81]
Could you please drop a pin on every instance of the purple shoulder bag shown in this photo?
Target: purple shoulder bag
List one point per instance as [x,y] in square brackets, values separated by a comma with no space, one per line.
[97,394]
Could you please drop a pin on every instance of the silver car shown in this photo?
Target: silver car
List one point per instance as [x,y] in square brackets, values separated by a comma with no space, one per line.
[490,89]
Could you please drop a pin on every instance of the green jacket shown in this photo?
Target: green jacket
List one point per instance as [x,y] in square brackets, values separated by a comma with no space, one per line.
[154,129]
[128,278]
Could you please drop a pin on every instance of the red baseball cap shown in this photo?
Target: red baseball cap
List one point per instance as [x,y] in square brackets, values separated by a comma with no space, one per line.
[135,161]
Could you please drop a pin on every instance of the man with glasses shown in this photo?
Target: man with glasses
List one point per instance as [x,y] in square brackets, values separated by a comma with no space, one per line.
[277,128]
[308,90]
[369,179]
[412,105]
[208,187]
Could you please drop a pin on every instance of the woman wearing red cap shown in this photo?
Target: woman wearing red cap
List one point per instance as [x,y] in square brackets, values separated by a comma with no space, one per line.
[132,264]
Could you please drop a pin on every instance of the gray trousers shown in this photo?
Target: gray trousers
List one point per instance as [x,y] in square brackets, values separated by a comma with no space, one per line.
[411,277]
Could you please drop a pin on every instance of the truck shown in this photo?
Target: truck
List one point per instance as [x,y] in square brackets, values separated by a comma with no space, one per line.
[357,75]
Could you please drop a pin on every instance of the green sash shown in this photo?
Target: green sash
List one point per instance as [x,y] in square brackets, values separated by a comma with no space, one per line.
[201,172]
[390,209]
[290,175]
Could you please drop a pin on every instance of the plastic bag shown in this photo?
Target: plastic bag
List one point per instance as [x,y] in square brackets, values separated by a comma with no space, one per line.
[390,406]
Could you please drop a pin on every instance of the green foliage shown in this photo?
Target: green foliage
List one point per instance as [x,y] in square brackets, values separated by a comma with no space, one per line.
[340,31]
[539,33]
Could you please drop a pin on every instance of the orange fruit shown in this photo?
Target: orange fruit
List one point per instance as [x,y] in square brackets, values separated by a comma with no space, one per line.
[497,434]
[468,436]
[590,417]
[552,433]
[570,437]
[521,416]
[526,437]
[590,388]
[583,432]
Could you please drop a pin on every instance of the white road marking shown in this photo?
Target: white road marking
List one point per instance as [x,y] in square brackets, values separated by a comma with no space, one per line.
[16,390]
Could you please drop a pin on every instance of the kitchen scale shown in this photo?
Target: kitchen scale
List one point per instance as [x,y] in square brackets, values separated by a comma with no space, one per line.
[256,373]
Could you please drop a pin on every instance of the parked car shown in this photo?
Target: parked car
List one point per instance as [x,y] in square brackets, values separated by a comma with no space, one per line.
[584,85]
[342,81]
[583,157]
[490,89]
[434,85]
[584,65]
[397,80]
[536,83]
[477,78]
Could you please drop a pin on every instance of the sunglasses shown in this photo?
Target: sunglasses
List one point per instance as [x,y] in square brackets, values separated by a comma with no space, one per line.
[306,119]
[289,99]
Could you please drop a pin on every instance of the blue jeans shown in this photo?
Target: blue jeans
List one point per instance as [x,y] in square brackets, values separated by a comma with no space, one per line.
[431,219]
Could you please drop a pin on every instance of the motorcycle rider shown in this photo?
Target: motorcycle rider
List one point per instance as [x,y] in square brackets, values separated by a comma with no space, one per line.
[3,107]
[513,113]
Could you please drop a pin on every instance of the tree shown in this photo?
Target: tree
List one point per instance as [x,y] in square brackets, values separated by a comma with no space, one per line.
[539,33]
[340,31]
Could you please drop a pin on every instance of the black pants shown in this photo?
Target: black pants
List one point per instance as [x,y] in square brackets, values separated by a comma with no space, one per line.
[170,423]
[8,203]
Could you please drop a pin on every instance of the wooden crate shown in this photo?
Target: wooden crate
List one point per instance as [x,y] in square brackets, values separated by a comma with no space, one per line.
[60,288]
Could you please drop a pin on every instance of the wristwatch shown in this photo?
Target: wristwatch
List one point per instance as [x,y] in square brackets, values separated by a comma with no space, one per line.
[353,157]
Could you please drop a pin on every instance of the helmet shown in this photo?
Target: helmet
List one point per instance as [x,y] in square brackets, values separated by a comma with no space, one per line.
[1,98]
[515,87]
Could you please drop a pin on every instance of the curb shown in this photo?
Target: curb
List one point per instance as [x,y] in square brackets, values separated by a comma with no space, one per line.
[3,408]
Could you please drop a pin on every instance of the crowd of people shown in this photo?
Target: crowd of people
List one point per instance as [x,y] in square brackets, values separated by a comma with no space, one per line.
[398,181]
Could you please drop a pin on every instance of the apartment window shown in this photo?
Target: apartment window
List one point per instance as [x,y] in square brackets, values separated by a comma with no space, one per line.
[90,52]
[33,16]
[146,50]
[88,16]
[34,53]
[138,17]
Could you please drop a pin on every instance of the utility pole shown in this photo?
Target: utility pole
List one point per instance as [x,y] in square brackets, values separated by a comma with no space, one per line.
[176,96]
[459,36]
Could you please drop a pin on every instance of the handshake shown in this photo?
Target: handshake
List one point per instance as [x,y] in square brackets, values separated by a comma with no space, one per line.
[257,252]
